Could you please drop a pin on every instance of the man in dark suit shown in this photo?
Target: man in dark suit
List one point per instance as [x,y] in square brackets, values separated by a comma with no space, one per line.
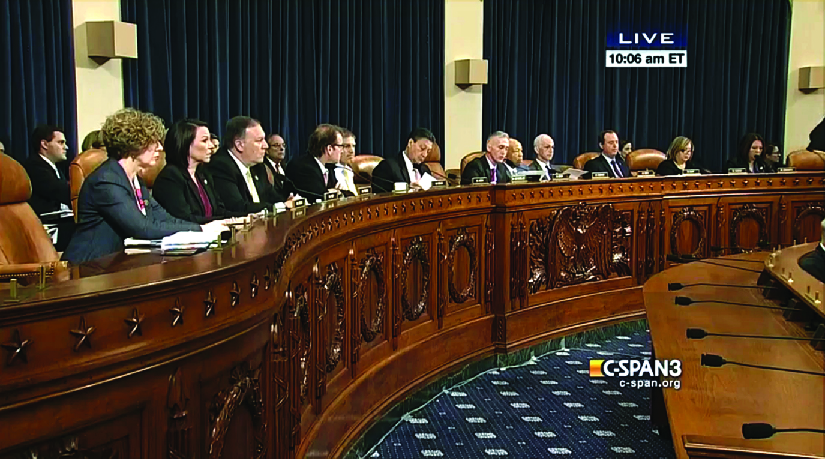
[608,161]
[238,175]
[406,166]
[275,163]
[309,172]
[491,165]
[50,187]
[814,262]
[544,146]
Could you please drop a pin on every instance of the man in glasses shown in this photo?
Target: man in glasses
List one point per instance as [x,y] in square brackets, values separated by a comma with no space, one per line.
[309,172]
[343,169]
[276,154]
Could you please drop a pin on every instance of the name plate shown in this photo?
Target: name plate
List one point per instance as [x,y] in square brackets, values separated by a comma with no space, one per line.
[647,172]
[298,203]
[364,190]
[299,212]
[439,184]
[786,169]
[737,170]
[331,196]
[518,179]
[480,180]
[560,178]
[691,172]
[600,175]
[401,187]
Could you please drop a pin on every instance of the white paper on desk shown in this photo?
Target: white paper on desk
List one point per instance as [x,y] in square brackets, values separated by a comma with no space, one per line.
[190,239]
[574,174]
[426,181]
[62,213]
[132,242]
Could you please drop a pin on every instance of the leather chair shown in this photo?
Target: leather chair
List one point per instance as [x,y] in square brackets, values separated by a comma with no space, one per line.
[804,160]
[24,244]
[80,168]
[433,161]
[646,158]
[469,157]
[583,158]
[363,165]
[149,175]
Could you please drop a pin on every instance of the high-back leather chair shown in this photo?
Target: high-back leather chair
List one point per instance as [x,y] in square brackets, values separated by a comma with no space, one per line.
[646,158]
[469,157]
[433,161]
[583,158]
[81,167]
[804,160]
[363,165]
[24,244]
[149,175]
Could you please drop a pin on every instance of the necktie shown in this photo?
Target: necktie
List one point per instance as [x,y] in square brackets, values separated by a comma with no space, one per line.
[139,198]
[250,183]
[326,179]
[549,173]
[493,175]
[617,169]
[417,175]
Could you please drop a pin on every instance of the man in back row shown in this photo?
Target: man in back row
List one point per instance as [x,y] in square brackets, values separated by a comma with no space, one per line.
[309,172]
[608,161]
[406,166]
[491,164]
[50,186]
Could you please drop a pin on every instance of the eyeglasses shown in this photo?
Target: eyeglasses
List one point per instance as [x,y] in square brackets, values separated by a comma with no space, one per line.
[339,145]
[349,146]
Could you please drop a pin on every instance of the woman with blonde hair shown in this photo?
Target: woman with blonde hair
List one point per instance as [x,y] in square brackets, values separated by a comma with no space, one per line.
[678,157]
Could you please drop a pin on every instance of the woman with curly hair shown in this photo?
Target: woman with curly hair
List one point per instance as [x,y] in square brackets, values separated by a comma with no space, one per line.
[114,204]
[679,157]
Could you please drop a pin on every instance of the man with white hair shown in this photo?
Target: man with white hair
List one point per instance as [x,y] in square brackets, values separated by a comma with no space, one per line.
[544,148]
[814,262]
[491,165]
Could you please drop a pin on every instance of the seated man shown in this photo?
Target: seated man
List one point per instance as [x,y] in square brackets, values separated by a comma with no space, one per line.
[515,156]
[239,176]
[275,163]
[50,187]
[309,172]
[544,147]
[342,170]
[406,166]
[491,165]
[814,262]
[608,161]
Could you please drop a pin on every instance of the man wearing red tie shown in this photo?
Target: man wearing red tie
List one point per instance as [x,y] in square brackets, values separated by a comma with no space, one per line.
[309,172]
[609,161]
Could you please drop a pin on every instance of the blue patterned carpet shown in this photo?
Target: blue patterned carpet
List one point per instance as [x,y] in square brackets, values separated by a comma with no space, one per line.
[547,407]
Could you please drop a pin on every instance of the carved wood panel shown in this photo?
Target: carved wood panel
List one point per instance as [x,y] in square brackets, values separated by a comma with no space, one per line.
[752,213]
[807,220]
[370,272]
[466,241]
[697,222]
[243,392]
[416,259]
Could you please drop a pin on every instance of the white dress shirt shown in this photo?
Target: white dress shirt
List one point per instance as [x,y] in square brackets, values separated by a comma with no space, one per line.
[247,174]
[57,173]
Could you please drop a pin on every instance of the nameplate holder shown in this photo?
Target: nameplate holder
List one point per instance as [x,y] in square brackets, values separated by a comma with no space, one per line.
[737,171]
[786,169]
[299,212]
[600,175]
[519,179]
[331,196]
[298,203]
[691,172]
[560,178]
[647,172]
[480,180]
[439,184]
[401,187]
[364,190]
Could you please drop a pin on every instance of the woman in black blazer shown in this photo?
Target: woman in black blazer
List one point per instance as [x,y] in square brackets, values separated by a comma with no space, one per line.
[678,157]
[749,156]
[183,187]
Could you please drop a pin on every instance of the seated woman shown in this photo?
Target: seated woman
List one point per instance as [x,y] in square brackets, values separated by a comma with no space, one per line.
[678,157]
[772,157]
[184,186]
[625,148]
[114,204]
[749,155]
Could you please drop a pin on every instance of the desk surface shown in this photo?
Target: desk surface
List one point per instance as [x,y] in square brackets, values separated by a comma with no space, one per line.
[707,413]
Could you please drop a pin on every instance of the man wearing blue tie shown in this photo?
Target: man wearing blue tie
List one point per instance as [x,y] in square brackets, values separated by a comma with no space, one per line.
[544,147]
[608,161]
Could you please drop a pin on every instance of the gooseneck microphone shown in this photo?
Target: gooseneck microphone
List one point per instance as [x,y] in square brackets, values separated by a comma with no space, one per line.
[716,361]
[762,245]
[681,259]
[674,286]
[698,333]
[761,430]
[685,301]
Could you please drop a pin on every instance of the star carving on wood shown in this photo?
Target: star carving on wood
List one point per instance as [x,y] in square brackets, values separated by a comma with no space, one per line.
[177,313]
[82,334]
[209,302]
[234,295]
[134,323]
[17,348]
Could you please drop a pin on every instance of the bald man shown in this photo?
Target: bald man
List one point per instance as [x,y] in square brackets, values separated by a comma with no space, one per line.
[545,147]
[515,157]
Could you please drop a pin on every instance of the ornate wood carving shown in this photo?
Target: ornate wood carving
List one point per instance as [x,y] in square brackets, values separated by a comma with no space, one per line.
[808,209]
[177,313]
[515,256]
[441,265]
[82,333]
[267,278]
[499,329]
[783,218]
[489,259]
[179,426]
[280,373]
[687,214]
[641,226]
[70,448]
[304,337]
[416,252]
[234,294]
[334,286]
[461,239]
[395,266]
[245,391]
[355,338]
[652,241]
[134,323]
[17,348]
[254,283]
[372,263]
[622,243]
[209,303]
[752,212]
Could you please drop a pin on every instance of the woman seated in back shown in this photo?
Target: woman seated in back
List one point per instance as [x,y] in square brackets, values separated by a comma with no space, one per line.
[114,204]
[749,155]
[184,187]
[678,157]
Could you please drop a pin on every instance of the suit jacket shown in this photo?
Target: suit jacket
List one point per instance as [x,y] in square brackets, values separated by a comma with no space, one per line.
[393,169]
[230,185]
[535,166]
[48,190]
[107,213]
[283,186]
[479,167]
[814,263]
[600,164]
[761,167]
[178,194]
[817,137]
[304,170]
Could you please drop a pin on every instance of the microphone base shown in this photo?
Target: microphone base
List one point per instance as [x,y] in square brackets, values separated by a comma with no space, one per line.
[819,334]
[799,313]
